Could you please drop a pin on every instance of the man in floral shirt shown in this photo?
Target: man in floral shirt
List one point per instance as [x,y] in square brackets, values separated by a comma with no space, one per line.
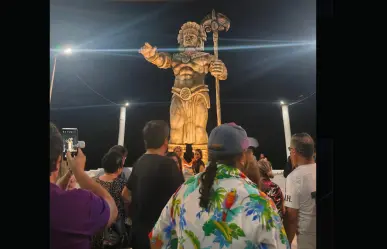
[221,207]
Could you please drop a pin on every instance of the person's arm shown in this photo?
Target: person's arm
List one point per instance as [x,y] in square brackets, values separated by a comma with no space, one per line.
[126,195]
[64,180]
[127,190]
[292,206]
[158,237]
[282,200]
[77,165]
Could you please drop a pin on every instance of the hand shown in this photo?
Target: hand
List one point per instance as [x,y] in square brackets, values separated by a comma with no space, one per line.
[78,162]
[148,51]
[217,68]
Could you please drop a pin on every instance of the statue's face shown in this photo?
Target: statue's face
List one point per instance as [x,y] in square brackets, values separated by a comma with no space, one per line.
[190,40]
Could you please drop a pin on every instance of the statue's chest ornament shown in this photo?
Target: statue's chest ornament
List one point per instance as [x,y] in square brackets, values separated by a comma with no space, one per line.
[186,58]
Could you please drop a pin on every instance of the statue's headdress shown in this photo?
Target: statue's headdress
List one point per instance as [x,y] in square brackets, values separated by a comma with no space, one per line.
[193,27]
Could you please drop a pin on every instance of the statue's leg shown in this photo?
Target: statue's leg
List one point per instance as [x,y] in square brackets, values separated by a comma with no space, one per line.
[177,121]
[201,118]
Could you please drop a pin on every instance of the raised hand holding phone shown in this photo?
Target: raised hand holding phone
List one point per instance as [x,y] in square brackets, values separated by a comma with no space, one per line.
[77,162]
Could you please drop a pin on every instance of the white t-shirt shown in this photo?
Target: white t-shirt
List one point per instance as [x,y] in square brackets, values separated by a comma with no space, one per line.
[300,184]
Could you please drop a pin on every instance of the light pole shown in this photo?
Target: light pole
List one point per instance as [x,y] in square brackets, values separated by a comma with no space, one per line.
[286,119]
[121,131]
[67,51]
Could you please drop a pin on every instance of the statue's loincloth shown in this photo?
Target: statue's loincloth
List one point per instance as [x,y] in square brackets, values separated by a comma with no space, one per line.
[190,98]
[187,94]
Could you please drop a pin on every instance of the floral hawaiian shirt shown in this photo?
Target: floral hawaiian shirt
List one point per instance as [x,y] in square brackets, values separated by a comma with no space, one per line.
[239,216]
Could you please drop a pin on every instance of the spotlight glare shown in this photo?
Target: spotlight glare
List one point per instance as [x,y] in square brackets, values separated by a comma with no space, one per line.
[68,51]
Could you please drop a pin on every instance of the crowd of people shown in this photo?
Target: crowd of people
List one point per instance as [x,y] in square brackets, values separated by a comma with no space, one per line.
[169,201]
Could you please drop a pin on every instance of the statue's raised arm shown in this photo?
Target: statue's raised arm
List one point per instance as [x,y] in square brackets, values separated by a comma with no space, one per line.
[161,60]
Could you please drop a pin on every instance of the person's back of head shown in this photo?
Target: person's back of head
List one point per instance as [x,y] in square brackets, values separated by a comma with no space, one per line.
[226,145]
[155,134]
[120,149]
[265,169]
[56,150]
[112,162]
[301,149]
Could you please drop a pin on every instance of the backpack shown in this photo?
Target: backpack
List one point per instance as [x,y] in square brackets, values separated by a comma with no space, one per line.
[113,237]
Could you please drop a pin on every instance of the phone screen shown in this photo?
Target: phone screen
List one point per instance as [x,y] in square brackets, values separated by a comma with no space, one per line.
[70,139]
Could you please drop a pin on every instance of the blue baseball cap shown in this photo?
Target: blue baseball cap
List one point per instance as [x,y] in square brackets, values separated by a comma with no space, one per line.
[229,139]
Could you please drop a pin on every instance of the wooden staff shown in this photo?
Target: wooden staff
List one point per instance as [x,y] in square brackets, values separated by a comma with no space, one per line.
[214,23]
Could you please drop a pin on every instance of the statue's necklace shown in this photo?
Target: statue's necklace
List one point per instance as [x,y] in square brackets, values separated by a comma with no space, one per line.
[185,58]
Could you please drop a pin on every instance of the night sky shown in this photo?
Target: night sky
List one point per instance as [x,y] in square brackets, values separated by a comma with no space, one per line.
[87,82]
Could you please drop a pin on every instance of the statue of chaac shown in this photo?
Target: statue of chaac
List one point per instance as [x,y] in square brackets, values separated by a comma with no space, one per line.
[190,100]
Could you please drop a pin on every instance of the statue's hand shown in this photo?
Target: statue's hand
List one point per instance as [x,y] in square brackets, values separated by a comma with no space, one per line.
[217,68]
[148,51]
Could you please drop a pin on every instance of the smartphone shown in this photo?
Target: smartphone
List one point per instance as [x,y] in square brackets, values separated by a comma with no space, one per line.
[70,139]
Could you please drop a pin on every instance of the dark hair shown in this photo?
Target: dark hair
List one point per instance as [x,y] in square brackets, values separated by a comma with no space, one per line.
[208,177]
[155,132]
[304,145]
[173,154]
[56,146]
[196,165]
[111,162]
[120,149]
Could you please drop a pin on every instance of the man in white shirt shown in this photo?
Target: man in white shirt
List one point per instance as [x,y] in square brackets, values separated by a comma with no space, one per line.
[300,190]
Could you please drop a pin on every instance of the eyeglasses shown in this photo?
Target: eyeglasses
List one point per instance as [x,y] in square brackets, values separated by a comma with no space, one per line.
[290,148]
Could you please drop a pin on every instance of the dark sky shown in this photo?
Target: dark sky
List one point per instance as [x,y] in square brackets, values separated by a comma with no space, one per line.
[258,78]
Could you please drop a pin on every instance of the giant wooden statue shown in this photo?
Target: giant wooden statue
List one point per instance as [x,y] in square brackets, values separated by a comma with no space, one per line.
[190,99]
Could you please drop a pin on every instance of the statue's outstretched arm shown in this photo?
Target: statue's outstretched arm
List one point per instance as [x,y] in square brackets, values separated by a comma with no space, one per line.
[161,60]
